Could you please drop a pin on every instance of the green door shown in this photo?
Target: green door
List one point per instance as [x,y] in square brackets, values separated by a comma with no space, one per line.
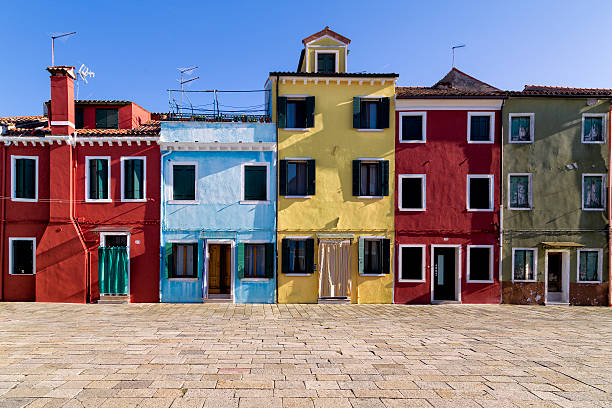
[113,270]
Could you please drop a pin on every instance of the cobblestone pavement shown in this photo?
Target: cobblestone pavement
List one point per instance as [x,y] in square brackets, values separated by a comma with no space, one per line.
[387,356]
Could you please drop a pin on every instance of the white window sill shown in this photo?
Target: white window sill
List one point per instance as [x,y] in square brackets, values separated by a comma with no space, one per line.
[593,209]
[297,196]
[183,279]
[22,274]
[298,274]
[296,129]
[590,282]
[89,200]
[140,200]
[519,209]
[479,281]
[255,202]
[188,202]
[371,197]
[597,142]
[521,142]
[524,281]
[413,209]
[412,141]
[373,274]
[480,210]
[411,280]
[24,200]
[370,130]
[480,142]
[255,279]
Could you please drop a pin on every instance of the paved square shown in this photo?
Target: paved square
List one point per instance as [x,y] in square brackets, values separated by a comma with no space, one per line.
[387,356]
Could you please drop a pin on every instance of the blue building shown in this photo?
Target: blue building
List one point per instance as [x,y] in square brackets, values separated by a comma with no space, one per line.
[218,212]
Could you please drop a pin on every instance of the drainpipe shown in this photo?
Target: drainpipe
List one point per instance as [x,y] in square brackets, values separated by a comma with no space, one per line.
[162,203]
[277,196]
[2,221]
[501,199]
[609,212]
[75,222]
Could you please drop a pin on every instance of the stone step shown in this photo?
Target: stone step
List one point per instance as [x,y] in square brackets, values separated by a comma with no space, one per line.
[113,299]
[335,301]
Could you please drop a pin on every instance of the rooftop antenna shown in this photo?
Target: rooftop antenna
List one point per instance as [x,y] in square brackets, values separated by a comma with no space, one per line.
[83,73]
[53,37]
[455,47]
[185,71]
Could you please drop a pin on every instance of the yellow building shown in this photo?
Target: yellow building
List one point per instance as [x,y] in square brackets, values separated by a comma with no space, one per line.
[336,177]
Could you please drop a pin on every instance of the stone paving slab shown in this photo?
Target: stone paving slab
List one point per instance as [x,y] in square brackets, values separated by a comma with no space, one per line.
[385,356]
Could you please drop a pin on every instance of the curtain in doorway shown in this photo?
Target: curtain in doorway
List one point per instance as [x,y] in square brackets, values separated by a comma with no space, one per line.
[113,270]
[334,269]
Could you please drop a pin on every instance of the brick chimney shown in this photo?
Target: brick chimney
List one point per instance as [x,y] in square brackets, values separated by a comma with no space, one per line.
[61,112]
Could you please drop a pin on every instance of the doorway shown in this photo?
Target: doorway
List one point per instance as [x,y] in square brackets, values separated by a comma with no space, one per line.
[445,273]
[114,264]
[334,269]
[219,269]
[557,276]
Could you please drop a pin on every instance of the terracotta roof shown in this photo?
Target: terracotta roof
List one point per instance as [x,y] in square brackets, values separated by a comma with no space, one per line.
[15,120]
[541,90]
[455,84]
[324,32]
[101,102]
[336,74]
[150,128]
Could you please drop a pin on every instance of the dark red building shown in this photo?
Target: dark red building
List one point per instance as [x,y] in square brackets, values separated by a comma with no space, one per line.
[80,191]
[447,164]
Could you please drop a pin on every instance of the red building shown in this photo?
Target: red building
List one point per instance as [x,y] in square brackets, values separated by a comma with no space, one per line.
[447,164]
[80,209]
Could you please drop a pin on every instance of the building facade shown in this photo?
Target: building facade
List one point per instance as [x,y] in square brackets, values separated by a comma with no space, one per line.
[219,212]
[336,166]
[447,154]
[556,157]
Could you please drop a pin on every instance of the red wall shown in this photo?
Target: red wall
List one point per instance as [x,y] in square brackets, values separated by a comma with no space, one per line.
[446,158]
[130,115]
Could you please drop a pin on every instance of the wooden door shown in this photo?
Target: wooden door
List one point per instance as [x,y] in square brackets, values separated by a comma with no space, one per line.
[214,269]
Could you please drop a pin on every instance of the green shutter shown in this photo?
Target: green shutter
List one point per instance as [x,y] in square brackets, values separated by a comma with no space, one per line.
[128,179]
[255,179]
[356,177]
[383,114]
[19,178]
[386,255]
[29,179]
[384,177]
[138,178]
[240,260]
[310,111]
[169,261]
[183,179]
[309,255]
[93,177]
[356,112]
[311,174]
[102,178]
[282,178]
[285,255]
[281,111]
[270,260]
[361,255]
[100,118]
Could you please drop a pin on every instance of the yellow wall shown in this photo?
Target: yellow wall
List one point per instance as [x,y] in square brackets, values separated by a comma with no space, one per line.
[334,144]
[330,45]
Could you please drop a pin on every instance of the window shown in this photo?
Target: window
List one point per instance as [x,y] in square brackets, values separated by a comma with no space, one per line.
[255,182]
[412,192]
[255,261]
[524,264]
[22,256]
[297,177]
[521,127]
[374,256]
[296,112]
[370,113]
[107,118]
[480,193]
[593,192]
[480,263]
[184,260]
[590,265]
[370,178]
[326,62]
[184,182]
[24,179]
[133,179]
[79,118]
[298,255]
[97,179]
[481,127]
[412,263]
[519,197]
[594,128]
[412,127]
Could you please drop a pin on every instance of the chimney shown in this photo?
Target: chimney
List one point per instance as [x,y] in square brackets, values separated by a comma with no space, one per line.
[62,100]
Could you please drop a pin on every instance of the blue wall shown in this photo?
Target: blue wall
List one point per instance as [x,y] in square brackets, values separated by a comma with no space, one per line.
[218,214]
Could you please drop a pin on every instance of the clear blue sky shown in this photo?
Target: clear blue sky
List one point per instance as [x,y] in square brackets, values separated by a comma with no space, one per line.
[134,47]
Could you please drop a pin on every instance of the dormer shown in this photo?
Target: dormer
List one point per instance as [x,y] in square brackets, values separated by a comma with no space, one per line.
[324,52]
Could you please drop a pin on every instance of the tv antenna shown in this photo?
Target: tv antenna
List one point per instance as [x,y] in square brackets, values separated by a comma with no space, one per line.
[454,48]
[182,82]
[83,73]
[53,37]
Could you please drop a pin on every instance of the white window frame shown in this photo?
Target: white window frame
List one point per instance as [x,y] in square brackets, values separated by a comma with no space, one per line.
[327,51]
[603,191]
[530,196]
[370,160]
[297,160]
[423,178]
[170,187]
[296,98]
[123,159]
[468,266]
[14,179]
[242,168]
[491,116]
[423,115]
[535,264]
[599,264]
[371,98]
[92,200]
[531,127]
[13,239]
[604,128]
[423,262]
[491,192]
[197,266]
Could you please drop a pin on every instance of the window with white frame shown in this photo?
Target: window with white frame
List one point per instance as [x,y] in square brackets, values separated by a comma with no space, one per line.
[97,179]
[521,127]
[412,191]
[24,178]
[184,181]
[519,191]
[593,128]
[22,256]
[593,192]
[480,192]
[255,182]
[480,263]
[326,62]
[590,265]
[184,260]
[133,178]
[412,127]
[481,127]
[374,255]
[412,263]
[524,264]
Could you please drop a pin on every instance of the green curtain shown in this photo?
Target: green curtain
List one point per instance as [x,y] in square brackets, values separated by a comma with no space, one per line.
[113,270]
[519,191]
[593,130]
[593,192]
[520,129]
[589,264]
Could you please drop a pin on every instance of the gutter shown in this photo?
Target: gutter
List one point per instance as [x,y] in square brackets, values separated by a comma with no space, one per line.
[74,221]
[609,213]
[162,203]
[2,222]
[501,199]
[277,197]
